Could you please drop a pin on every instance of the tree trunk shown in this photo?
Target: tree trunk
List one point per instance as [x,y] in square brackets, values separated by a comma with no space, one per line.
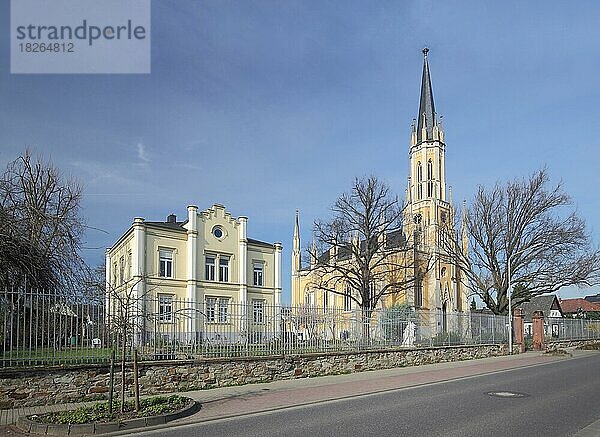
[366,325]
[111,382]
[123,376]
[136,384]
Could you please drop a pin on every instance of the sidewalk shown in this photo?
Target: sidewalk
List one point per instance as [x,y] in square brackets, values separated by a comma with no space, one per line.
[232,401]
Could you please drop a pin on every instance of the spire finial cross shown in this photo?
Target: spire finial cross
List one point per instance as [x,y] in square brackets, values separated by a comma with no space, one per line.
[425,51]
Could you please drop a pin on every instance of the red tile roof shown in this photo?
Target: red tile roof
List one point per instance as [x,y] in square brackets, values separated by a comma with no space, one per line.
[575,305]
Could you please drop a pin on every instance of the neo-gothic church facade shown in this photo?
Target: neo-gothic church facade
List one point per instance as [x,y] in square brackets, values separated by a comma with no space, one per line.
[429,216]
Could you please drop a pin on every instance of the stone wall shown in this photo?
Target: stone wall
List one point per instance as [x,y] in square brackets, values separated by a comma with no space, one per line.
[40,386]
[561,344]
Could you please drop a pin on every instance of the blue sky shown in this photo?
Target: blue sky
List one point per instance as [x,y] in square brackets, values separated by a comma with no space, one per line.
[270,106]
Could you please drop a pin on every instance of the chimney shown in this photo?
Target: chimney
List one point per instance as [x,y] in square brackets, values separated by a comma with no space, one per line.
[171,218]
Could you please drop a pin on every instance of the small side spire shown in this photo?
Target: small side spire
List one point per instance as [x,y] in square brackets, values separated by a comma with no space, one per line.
[451,203]
[313,253]
[413,133]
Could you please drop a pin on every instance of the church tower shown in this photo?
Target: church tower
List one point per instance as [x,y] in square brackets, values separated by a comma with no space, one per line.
[429,211]
[439,285]
[427,178]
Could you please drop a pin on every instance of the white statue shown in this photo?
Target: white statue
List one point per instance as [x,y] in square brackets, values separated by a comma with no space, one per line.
[408,338]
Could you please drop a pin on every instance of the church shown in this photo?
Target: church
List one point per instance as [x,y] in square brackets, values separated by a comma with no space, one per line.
[429,214]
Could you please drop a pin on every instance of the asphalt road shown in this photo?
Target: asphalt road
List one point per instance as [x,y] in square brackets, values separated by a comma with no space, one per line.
[558,399]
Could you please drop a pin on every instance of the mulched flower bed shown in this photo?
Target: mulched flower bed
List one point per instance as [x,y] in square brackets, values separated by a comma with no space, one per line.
[153,406]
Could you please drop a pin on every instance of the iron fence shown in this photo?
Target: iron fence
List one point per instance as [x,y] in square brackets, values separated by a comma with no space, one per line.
[49,329]
[564,329]
[46,329]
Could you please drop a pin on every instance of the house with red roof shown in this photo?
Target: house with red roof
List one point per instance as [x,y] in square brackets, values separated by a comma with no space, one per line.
[580,308]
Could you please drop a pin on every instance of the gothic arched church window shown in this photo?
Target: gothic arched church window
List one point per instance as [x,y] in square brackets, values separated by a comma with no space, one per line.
[429,178]
[419,181]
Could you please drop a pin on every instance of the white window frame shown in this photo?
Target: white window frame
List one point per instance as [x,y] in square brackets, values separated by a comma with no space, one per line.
[258,311]
[224,269]
[210,269]
[210,309]
[168,262]
[258,274]
[223,310]
[165,300]
[217,309]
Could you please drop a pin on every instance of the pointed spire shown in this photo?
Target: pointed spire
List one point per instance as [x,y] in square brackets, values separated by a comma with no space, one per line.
[296,228]
[463,229]
[313,253]
[426,107]
[296,261]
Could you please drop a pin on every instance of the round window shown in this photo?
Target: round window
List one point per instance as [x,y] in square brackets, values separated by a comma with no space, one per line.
[218,232]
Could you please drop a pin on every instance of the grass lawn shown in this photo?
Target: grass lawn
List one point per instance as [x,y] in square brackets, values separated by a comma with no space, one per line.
[50,356]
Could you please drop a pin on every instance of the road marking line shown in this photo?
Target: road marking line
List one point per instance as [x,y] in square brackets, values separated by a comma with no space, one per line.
[592,430]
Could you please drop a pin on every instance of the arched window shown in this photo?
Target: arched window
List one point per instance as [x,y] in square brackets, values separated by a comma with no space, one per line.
[429,178]
[307,297]
[347,298]
[419,181]
[372,293]
[418,291]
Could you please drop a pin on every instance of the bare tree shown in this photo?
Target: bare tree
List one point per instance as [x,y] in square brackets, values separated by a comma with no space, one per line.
[126,317]
[40,226]
[362,252]
[524,232]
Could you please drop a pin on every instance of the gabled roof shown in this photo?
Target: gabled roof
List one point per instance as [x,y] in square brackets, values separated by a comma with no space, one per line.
[543,303]
[393,239]
[174,226]
[260,243]
[593,298]
[574,306]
